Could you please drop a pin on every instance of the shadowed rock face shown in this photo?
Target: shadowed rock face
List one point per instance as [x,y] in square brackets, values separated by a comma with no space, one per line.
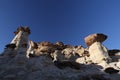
[98,37]
[59,45]
[113,52]
[64,64]
[10,46]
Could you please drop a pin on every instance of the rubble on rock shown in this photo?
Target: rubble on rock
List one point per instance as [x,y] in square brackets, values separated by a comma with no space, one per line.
[58,61]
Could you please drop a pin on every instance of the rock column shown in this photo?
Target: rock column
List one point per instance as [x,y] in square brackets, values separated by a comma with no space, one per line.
[97,51]
[19,42]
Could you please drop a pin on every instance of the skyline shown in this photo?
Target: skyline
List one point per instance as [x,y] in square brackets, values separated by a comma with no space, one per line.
[69,21]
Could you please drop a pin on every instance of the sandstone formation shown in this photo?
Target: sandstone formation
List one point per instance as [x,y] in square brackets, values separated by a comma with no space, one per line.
[28,60]
[99,37]
[21,38]
[98,53]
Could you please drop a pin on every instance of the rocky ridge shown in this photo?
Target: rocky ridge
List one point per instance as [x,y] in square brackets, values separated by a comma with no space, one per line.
[58,61]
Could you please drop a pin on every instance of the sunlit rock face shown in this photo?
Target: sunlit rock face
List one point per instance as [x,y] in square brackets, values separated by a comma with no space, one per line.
[57,61]
[98,53]
[21,37]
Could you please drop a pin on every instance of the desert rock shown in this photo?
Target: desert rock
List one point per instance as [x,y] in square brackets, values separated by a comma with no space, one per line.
[57,61]
[99,37]
[98,53]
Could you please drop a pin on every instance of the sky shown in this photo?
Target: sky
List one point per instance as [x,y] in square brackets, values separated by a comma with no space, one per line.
[69,21]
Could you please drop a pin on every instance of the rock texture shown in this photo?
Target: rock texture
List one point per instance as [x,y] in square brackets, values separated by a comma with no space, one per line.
[99,37]
[98,53]
[58,61]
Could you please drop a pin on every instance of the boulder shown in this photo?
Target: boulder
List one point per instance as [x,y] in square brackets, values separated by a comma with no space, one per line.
[69,53]
[79,50]
[98,37]
[59,45]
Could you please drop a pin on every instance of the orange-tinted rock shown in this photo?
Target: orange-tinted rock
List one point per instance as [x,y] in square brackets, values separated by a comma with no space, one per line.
[98,37]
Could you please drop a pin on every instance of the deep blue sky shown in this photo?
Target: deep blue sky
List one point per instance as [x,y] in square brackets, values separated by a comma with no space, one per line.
[68,21]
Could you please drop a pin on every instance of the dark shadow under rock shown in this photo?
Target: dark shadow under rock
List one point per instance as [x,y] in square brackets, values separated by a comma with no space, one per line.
[64,64]
[111,70]
[10,46]
[113,52]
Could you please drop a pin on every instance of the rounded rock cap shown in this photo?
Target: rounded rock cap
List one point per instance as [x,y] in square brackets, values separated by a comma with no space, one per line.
[97,37]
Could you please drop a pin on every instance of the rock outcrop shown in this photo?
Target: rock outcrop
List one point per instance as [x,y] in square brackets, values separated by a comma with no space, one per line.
[58,61]
[97,51]
[21,38]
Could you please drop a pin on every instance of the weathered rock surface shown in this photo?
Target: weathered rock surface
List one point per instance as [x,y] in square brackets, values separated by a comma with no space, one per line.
[98,37]
[36,68]
[113,52]
[49,61]
[98,53]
